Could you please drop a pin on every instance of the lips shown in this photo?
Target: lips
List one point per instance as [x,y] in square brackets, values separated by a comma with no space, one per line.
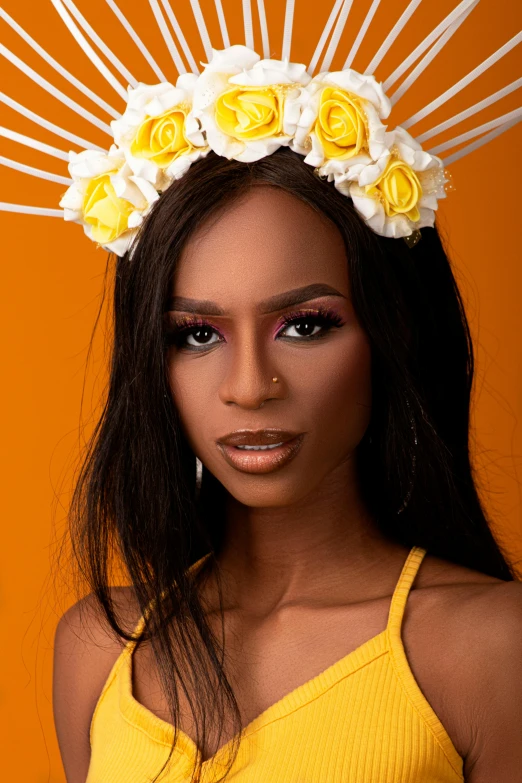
[265,437]
[263,461]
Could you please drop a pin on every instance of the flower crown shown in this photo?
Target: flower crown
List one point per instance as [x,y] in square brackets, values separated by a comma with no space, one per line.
[243,107]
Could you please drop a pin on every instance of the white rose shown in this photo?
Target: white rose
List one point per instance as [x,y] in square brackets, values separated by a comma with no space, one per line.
[248,107]
[107,198]
[158,134]
[340,124]
[398,194]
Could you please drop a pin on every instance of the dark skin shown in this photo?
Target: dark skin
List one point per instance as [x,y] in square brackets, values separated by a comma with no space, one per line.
[307,576]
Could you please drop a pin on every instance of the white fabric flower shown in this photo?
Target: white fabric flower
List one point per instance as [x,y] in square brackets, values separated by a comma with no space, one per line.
[397,194]
[247,106]
[107,198]
[340,123]
[157,132]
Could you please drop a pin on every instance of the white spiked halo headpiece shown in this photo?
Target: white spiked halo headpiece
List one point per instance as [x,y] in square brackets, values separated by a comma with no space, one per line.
[244,107]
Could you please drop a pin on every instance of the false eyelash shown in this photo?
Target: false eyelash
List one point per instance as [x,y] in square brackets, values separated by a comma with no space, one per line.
[325,316]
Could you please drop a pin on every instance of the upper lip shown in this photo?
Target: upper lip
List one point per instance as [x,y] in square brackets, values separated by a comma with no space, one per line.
[264,437]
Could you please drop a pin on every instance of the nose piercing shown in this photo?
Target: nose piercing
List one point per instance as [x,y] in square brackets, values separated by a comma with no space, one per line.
[275,380]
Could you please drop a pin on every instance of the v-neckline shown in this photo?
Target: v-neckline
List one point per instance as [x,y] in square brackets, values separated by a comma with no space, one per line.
[163,732]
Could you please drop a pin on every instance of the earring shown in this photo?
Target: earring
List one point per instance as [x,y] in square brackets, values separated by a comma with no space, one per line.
[413,460]
[199,475]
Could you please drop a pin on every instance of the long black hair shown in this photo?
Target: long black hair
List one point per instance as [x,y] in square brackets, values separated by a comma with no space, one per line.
[135,495]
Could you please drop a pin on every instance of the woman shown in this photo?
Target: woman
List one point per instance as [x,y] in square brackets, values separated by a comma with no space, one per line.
[341,597]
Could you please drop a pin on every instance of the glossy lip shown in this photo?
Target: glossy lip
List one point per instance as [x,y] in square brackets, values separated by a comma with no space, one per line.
[266,461]
[264,437]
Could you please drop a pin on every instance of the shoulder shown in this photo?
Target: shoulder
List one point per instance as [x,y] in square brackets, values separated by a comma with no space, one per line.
[474,651]
[85,650]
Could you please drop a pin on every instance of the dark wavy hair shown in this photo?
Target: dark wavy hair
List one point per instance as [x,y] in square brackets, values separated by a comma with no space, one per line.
[135,494]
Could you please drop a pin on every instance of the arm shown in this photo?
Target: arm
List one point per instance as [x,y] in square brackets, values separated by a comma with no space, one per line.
[495,751]
[85,649]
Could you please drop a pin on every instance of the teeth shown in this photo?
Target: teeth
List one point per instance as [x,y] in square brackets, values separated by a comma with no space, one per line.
[260,448]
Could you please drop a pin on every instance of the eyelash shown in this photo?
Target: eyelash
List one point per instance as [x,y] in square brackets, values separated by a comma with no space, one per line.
[183,326]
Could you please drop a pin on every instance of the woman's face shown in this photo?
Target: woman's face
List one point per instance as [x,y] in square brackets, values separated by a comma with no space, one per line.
[221,369]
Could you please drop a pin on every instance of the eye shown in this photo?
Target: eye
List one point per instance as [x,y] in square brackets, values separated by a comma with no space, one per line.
[311,324]
[191,334]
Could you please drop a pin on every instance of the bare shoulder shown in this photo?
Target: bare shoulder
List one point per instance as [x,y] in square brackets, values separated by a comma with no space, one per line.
[85,650]
[465,632]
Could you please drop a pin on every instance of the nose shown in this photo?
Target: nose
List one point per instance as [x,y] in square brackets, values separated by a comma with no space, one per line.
[248,380]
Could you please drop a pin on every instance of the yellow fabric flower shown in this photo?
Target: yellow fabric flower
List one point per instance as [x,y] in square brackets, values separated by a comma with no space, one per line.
[341,124]
[250,113]
[399,190]
[104,210]
[162,139]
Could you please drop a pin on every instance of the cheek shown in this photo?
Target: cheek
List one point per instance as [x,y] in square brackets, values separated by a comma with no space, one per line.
[192,394]
[340,392]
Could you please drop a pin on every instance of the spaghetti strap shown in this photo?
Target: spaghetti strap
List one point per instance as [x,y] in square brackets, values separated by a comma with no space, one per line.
[402,590]
[131,644]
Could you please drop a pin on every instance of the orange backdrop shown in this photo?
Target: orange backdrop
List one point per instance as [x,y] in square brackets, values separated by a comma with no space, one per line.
[52,286]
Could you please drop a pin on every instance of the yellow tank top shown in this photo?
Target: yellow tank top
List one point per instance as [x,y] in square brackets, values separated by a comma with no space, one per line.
[364,719]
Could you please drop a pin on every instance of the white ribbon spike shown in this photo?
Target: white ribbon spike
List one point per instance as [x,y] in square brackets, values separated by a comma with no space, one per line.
[95,38]
[474,74]
[87,48]
[137,40]
[222,24]
[336,37]
[22,209]
[287,31]
[247,24]
[392,35]
[362,32]
[475,145]
[54,90]
[31,115]
[264,28]
[33,143]
[431,54]
[56,65]
[427,42]
[463,115]
[472,134]
[167,37]
[181,38]
[324,35]
[13,164]
[202,27]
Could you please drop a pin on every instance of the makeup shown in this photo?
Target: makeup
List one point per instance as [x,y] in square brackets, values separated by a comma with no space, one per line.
[262,461]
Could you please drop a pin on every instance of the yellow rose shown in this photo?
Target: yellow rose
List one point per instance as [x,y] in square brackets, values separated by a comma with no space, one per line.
[399,190]
[104,210]
[341,124]
[249,113]
[162,139]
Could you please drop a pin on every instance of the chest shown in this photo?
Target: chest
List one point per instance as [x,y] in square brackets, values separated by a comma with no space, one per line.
[267,660]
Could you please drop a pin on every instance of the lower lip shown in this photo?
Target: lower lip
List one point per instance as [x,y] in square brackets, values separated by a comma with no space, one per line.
[265,461]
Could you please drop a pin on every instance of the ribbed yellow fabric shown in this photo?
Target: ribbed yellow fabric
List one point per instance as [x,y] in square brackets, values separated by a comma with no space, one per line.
[364,719]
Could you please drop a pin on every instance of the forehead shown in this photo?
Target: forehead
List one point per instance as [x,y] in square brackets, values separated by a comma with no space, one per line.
[266,242]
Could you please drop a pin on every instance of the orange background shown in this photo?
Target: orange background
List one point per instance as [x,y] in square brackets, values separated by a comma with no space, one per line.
[52,286]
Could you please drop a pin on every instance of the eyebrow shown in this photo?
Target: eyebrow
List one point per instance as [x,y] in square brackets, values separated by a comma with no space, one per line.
[271,305]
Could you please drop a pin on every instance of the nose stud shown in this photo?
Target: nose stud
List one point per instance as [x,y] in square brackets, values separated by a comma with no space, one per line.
[275,380]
